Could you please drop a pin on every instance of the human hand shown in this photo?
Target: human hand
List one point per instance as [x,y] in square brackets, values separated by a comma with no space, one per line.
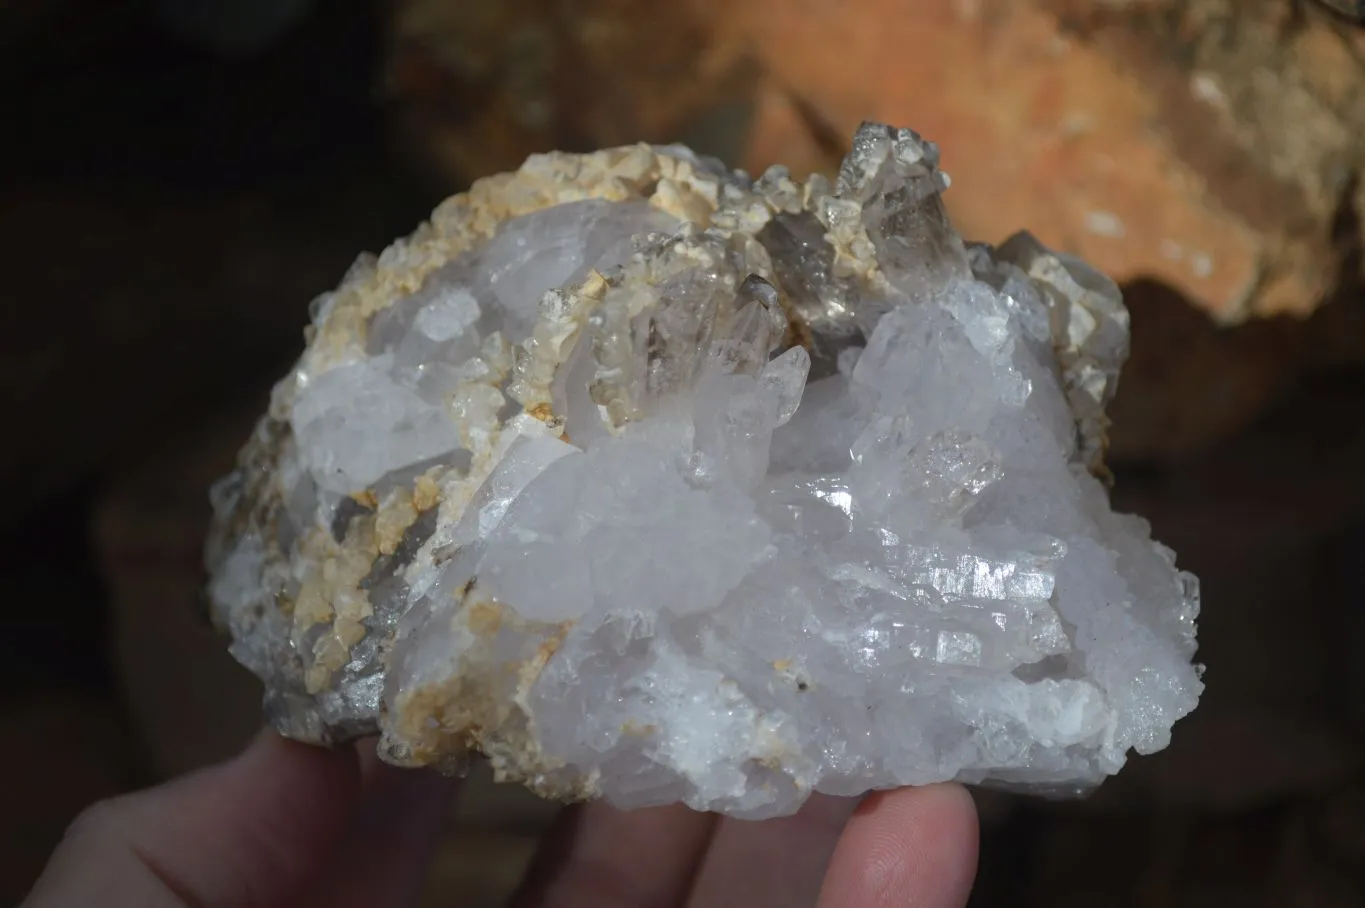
[287,824]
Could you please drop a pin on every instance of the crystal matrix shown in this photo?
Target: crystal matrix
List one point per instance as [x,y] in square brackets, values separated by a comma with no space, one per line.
[654,483]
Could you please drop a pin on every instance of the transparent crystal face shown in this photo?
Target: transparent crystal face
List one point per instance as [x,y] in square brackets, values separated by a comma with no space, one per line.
[785,530]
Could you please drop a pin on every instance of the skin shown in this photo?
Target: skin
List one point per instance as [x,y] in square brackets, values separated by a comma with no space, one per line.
[285,824]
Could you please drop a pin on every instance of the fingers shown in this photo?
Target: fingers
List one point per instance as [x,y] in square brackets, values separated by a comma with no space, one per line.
[914,846]
[910,847]
[601,857]
[383,859]
[267,829]
[774,863]
[250,832]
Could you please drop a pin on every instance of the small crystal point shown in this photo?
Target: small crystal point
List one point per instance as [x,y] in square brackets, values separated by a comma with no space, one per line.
[821,305]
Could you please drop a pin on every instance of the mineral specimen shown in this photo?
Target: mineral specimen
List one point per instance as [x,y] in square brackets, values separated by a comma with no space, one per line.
[654,483]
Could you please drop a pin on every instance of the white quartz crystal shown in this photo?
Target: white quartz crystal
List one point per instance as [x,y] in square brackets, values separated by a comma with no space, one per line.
[655,484]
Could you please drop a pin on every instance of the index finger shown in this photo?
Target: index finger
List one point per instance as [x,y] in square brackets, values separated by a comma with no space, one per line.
[912,846]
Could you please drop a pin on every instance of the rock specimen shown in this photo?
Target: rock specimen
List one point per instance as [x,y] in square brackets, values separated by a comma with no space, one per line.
[654,483]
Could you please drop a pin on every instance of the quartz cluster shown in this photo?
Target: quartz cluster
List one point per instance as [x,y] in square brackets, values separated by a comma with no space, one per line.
[651,482]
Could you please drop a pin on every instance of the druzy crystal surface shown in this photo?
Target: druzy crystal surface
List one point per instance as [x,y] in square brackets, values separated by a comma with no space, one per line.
[651,482]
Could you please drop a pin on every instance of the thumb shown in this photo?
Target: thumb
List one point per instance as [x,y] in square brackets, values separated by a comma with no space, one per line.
[249,832]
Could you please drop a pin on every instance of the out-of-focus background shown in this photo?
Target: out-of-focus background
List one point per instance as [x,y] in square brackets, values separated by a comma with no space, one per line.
[179,178]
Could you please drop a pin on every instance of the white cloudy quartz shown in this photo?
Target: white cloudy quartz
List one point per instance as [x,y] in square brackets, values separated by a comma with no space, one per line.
[653,483]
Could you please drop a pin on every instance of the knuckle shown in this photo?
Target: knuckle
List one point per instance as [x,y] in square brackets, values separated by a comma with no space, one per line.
[100,820]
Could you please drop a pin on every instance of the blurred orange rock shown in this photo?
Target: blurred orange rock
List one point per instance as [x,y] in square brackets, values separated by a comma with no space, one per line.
[1208,145]
[1214,147]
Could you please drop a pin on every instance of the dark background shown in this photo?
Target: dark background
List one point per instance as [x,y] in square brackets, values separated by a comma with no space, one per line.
[169,203]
